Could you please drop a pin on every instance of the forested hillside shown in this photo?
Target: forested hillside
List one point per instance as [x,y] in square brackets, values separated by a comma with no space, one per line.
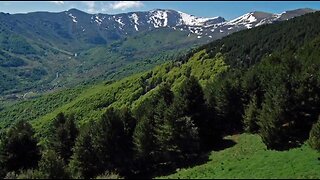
[264,81]
[27,65]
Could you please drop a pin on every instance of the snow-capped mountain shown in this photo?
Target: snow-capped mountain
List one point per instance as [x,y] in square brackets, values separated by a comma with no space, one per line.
[253,19]
[215,27]
[247,21]
[75,27]
[141,21]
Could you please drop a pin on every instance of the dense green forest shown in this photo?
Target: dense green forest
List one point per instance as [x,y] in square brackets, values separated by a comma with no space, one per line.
[263,81]
[29,65]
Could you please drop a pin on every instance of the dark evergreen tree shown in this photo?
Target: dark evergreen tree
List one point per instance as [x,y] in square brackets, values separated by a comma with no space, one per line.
[84,161]
[186,140]
[190,102]
[51,166]
[314,138]
[190,98]
[112,141]
[164,128]
[19,149]
[250,118]
[228,103]
[129,122]
[64,134]
[152,134]
[144,144]
[272,119]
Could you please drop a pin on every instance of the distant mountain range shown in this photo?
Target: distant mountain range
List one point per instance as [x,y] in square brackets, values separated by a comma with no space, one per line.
[42,50]
[216,27]
[74,25]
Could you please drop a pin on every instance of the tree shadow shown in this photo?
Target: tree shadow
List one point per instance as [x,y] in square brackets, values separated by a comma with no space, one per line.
[292,141]
[290,144]
[224,144]
[200,159]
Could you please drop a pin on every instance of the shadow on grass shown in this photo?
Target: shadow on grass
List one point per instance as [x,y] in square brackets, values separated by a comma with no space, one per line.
[202,158]
[291,142]
[224,144]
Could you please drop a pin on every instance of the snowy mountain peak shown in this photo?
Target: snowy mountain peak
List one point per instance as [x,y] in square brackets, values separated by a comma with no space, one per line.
[246,18]
[192,20]
[252,17]
[216,27]
[159,18]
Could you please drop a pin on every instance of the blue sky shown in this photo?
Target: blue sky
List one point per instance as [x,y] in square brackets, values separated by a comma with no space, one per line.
[226,9]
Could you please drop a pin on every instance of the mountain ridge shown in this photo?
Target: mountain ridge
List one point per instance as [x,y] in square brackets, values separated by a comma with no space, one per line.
[128,23]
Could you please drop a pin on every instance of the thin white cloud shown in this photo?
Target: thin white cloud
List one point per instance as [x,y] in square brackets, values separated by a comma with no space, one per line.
[105,7]
[57,2]
[90,6]
[123,5]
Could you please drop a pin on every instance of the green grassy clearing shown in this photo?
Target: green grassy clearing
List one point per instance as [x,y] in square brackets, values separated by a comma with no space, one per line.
[249,158]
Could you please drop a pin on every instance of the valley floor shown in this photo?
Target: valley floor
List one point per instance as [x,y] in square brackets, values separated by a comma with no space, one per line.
[249,158]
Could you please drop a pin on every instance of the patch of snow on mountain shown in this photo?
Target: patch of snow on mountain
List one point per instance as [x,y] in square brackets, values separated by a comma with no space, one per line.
[83,29]
[136,27]
[245,19]
[195,30]
[120,22]
[159,18]
[252,19]
[74,19]
[275,17]
[282,13]
[263,21]
[191,20]
[98,20]
[210,25]
[249,26]
[135,18]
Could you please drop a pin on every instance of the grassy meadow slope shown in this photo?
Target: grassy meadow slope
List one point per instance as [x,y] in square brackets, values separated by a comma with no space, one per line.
[249,158]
